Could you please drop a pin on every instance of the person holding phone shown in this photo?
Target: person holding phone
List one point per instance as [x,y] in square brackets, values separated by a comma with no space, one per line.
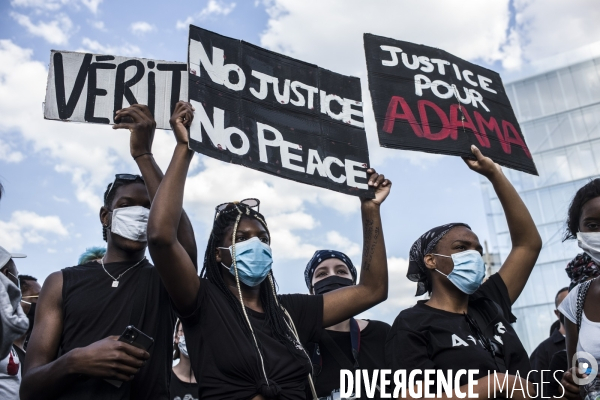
[74,351]
[244,340]
[466,323]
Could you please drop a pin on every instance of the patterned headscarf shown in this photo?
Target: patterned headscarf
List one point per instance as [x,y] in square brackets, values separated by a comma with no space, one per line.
[322,255]
[581,268]
[423,246]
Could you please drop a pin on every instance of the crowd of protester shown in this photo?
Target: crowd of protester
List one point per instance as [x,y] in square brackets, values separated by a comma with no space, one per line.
[116,326]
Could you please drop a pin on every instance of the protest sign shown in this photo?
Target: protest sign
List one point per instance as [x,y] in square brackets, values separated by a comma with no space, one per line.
[426,99]
[84,87]
[275,114]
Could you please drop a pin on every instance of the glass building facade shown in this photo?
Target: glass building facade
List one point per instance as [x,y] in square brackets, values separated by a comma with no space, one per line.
[559,114]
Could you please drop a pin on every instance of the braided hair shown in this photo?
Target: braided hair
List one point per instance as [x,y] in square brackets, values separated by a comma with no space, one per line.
[109,196]
[275,313]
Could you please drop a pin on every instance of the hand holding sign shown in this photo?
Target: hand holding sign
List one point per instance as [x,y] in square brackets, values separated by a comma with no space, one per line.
[181,120]
[482,165]
[140,122]
[382,187]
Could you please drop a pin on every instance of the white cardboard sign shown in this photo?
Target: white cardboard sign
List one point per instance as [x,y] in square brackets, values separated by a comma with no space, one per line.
[84,87]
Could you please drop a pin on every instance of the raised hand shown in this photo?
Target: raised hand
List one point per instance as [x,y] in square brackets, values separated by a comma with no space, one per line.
[110,359]
[382,187]
[140,122]
[482,164]
[181,120]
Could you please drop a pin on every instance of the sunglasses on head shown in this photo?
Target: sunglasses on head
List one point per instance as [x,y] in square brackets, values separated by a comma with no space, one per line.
[122,177]
[222,208]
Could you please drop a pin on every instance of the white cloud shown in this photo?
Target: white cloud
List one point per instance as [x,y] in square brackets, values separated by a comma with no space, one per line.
[54,5]
[98,25]
[94,46]
[56,31]
[213,8]
[92,5]
[401,293]
[29,227]
[341,243]
[553,26]
[47,5]
[7,154]
[140,28]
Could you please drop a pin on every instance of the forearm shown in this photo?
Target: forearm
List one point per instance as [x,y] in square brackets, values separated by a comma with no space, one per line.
[522,229]
[48,381]
[373,273]
[167,206]
[153,177]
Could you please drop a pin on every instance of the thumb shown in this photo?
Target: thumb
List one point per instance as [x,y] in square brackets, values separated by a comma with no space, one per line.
[476,152]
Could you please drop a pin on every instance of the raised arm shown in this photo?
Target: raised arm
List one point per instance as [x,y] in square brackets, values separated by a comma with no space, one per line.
[45,376]
[140,122]
[524,236]
[372,287]
[173,262]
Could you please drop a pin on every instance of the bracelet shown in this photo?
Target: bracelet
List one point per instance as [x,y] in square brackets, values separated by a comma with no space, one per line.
[143,154]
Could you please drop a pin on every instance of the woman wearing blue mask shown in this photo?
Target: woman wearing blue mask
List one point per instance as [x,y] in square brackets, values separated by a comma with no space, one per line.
[466,324]
[243,339]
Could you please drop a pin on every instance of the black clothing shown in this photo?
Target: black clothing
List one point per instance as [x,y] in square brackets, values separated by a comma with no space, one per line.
[424,337]
[370,357]
[541,356]
[93,310]
[224,357]
[180,390]
[558,362]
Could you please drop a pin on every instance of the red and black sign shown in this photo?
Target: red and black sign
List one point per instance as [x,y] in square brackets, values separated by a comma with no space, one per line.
[426,99]
[278,115]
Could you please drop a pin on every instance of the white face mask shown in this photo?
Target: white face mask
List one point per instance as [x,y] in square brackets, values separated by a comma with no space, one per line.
[590,243]
[130,223]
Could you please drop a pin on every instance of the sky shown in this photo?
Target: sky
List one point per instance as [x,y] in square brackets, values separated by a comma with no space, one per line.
[54,173]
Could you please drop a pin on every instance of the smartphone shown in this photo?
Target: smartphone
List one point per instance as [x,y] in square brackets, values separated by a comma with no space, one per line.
[134,337]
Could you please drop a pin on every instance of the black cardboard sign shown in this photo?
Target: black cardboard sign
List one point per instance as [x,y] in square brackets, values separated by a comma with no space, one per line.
[426,99]
[275,114]
[85,87]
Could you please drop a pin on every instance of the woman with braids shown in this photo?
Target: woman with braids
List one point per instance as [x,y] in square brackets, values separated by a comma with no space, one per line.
[581,306]
[243,339]
[466,325]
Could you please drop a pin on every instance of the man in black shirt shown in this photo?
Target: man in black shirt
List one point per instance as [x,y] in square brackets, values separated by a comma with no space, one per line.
[81,310]
[351,344]
[542,355]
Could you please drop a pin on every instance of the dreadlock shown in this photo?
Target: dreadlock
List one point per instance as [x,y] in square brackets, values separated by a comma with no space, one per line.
[275,314]
[109,196]
[586,193]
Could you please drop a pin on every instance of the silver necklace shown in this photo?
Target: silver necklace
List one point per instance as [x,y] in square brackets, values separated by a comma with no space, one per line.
[116,280]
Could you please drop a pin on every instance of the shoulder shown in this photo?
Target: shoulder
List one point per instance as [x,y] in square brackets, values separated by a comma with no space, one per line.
[410,319]
[568,307]
[377,328]
[52,290]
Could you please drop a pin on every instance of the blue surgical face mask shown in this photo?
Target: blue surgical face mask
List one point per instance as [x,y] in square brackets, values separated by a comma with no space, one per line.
[468,272]
[253,259]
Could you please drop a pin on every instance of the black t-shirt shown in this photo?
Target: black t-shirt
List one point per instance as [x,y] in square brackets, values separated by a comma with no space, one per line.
[224,358]
[541,356]
[370,357]
[424,337]
[93,310]
[181,390]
